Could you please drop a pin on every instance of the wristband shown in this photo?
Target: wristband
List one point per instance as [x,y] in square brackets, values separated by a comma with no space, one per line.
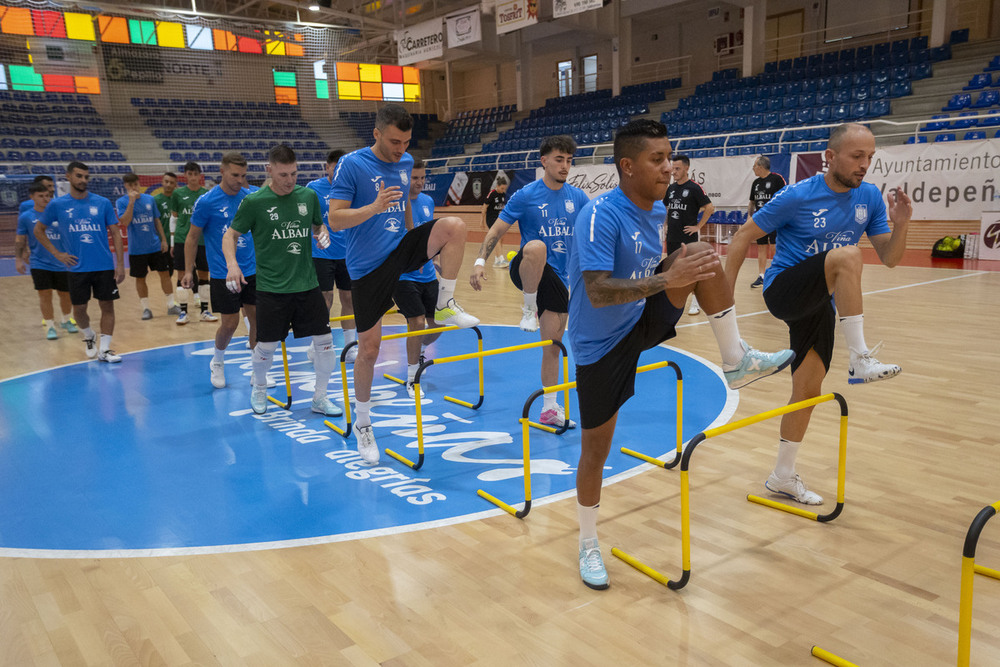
[480,262]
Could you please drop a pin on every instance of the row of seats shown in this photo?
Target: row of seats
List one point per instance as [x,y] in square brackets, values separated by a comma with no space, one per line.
[258,156]
[164,103]
[57,144]
[46,108]
[986,98]
[975,135]
[776,119]
[49,98]
[63,156]
[962,121]
[280,135]
[234,145]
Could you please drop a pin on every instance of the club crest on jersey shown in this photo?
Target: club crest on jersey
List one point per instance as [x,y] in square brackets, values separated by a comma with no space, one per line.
[392,225]
[861,213]
[86,238]
[427,210]
[93,210]
[767,186]
[569,206]
[302,209]
[403,177]
[559,246]
[294,248]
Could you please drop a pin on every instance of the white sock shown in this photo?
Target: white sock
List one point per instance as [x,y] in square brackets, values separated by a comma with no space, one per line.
[144,303]
[588,521]
[325,361]
[531,300]
[446,290]
[549,401]
[784,468]
[205,294]
[219,356]
[49,324]
[183,295]
[727,334]
[350,335]
[361,411]
[853,327]
[246,323]
[411,372]
[262,355]
[170,300]
[105,344]
[89,334]
[66,317]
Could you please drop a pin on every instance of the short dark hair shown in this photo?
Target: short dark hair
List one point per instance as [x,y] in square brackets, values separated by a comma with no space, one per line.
[763,161]
[43,177]
[281,154]
[170,174]
[76,164]
[192,166]
[395,115]
[560,142]
[130,178]
[36,187]
[630,140]
[681,157]
[501,181]
[418,163]
[235,158]
[334,156]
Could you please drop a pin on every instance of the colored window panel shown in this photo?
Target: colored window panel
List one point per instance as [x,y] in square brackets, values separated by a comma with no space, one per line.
[286,96]
[294,50]
[16,21]
[298,37]
[322,89]
[274,48]
[411,93]
[286,79]
[411,75]
[392,74]
[319,69]
[170,34]
[3,78]
[79,26]
[370,72]
[142,32]
[89,85]
[59,83]
[371,91]
[349,90]
[224,40]
[248,45]
[113,29]
[392,92]
[48,23]
[199,38]
[347,71]
[23,77]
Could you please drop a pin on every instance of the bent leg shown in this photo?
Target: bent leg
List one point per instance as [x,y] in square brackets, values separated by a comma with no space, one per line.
[448,238]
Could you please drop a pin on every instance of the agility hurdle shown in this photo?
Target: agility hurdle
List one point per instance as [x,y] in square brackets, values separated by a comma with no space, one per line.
[826,656]
[287,405]
[525,431]
[711,433]
[479,355]
[348,423]
[969,571]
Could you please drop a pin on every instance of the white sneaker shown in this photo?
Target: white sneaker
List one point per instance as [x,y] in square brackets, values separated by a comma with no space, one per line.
[756,365]
[410,391]
[592,570]
[694,309]
[182,318]
[218,373]
[91,344]
[529,319]
[452,315]
[207,316]
[352,354]
[366,445]
[108,356]
[866,368]
[258,398]
[793,488]
[325,406]
[556,417]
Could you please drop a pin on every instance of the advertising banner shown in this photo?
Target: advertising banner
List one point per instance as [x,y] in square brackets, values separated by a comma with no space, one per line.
[515,14]
[561,8]
[463,27]
[989,236]
[422,41]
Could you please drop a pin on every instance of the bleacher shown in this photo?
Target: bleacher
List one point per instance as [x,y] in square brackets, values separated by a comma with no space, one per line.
[467,128]
[363,123]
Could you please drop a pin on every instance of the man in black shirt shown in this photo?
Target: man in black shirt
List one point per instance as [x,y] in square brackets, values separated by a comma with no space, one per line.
[763,188]
[495,201]
[684,201]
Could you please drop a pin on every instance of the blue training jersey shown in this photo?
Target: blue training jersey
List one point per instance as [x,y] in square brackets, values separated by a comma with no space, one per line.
[83,224]
[338,241]
[810,218]
[549,216]
[358,179]
[142,236]
[212,213]
[422,209]
[612,234]
[25,206]
[40,257]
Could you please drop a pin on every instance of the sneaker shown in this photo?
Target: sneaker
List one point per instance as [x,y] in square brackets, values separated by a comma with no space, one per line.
[866,368]
[325,406]
[756,365]
[529,319]
[207,316]
[592,569]
[182,318]
[452,315]
[258,398]
[410,390]
[556,417]
[91,347]
[147,314]
[174,310]
[218,373]
[366,445]
[108,356]
[694,309]
[793,488]
[70,326]
[51,333]
[757,283]
[352,354]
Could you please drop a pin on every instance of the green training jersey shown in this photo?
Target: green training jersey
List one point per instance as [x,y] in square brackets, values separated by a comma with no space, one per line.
[163,203]
[282,237]
[182,203]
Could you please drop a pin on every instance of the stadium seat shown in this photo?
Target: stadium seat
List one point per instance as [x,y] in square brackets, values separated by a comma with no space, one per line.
[921,139]
[979,81]
[900,89]
[958,102]
[972,136]
[987,98]
[944,137]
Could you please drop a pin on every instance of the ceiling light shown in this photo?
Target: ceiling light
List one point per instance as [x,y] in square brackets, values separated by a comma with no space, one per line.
[314,6]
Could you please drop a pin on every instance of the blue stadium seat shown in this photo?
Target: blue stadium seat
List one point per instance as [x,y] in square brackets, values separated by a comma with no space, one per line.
[878,108]
[979,81]
[993,118]
[974,135]
[959,36]
[921,139]
[987,98]
[839,112]
[944,137]
[965,120]
[900,89]
[958,102]
[994,65]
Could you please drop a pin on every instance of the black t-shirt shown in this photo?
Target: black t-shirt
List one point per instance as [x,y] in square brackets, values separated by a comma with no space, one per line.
[495,201]
[683,203]
[764,188]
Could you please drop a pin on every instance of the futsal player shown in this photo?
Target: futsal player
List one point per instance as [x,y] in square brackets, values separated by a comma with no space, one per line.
[685,200]
[47,272]
[282,217]
[369,201]
[815,278]
[495,201]
[147,242]
[29,203]
[163,200]
[331,268]
[545,211]
[765,186]
[182,203]
[84,220]
[211,217]
[624,299]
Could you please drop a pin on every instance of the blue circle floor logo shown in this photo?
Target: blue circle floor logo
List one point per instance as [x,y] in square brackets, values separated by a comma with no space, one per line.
[146,458]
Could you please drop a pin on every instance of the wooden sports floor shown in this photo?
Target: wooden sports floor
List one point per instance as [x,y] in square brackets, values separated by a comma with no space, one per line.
[877,586]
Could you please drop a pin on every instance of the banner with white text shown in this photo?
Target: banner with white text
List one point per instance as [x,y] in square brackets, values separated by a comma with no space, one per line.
[463,27]
[422,41]
[515,14]
[561,8]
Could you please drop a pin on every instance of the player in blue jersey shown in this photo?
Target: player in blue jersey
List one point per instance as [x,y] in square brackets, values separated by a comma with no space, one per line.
[331,267]
[368,200]
[211,216]
[815,277]
[545,212]
[147,241]
[417,291]
[84,221]
[29,203]
[625,299]
[47,272]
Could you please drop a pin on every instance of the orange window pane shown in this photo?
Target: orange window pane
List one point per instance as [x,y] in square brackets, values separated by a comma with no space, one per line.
[349,90]
[16,21]
[79,26]
[59,83]
[224,40]
[347,72]
[286,96]
[298,37]
[371,91]
[370,72]
[89,85]
[411,75]
[113,29]
[294,50]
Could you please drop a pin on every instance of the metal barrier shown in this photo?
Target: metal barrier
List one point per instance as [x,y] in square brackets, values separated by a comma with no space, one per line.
[287,405]
[969,572]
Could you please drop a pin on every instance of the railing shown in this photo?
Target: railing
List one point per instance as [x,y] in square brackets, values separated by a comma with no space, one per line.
[658,70]
[449,109]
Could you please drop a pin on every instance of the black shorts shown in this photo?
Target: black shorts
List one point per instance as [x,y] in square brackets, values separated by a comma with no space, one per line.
[200,260]
[332,273]
[676,245]
[415,299]
[768,239]
[372,293]
[140,265]
[227,303]
[491,219]
[45,279]
[553,295]
[101,283]
[799,296]
[603,386]
[304,312]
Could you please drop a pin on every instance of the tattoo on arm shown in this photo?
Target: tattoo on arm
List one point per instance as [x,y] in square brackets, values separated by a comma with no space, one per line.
[603,290]
[488,244]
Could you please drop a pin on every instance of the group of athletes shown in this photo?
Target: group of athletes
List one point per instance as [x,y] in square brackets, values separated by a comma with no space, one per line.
[615,271]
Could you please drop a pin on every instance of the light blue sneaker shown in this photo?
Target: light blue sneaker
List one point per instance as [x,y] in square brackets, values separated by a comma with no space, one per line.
[592,565]
[51,333]
[70,326]
[756,365]
[325,406]
[258,398]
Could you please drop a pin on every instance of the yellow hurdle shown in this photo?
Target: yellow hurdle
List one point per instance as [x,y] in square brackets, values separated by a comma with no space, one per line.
[526,434]
[969,572]
[826,656]
[287,405]
[685,461]
[678,426]
[344,318]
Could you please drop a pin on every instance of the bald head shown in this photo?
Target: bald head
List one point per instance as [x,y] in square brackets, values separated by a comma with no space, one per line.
[848,155]
[844,132]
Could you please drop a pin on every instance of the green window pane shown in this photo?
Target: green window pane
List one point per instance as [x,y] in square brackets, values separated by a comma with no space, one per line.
[322,90]
[284,79]
[23,77]
[142,32]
